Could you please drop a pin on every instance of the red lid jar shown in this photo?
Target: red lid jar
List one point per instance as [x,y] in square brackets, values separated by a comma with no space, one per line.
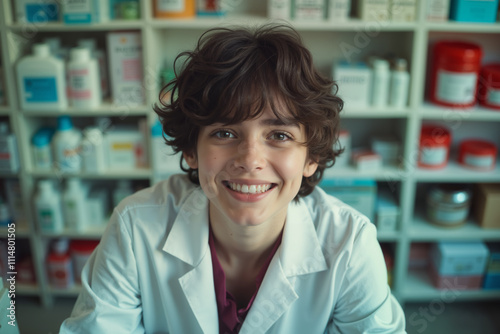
[434,148]
[477,154]
[489,86]
[455,73]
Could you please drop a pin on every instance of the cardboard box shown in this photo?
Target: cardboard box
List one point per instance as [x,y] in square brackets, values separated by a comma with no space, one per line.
[403,10]
[459,258]
[122,146]
[438,10]
[455,282]
[493,265]
[387,212]
[354,82]
[359,194]
[373,10]
[309,10]
[125,68]
[487,205]
[474,11]
[491,281]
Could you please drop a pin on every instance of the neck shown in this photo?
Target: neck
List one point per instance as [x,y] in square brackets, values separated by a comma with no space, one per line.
[245,245]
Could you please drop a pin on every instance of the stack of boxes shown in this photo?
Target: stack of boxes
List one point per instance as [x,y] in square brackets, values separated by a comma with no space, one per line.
[458,265]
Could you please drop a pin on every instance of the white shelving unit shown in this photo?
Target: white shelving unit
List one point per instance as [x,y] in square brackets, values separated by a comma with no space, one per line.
[164,39]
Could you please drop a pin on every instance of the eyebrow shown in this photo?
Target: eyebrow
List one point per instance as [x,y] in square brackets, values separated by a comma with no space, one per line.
[280,122]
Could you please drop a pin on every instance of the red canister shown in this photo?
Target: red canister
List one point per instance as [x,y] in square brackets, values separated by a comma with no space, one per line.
[489,86]
[455,73]
[477,154]
[434,147]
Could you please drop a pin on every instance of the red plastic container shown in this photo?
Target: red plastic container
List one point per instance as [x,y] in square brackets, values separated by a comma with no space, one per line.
[80,252]
[434,148]
[489,86]
[455,73]
[477,154]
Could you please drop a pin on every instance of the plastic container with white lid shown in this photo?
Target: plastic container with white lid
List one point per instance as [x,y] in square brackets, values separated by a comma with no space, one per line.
[477,154]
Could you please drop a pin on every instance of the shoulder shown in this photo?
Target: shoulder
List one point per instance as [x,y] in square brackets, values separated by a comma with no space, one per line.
[158,203]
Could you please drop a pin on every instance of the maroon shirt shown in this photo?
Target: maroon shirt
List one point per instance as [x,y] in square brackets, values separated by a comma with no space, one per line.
[230,317]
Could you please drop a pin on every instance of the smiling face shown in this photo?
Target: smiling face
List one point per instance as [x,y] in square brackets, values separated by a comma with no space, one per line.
[252,170]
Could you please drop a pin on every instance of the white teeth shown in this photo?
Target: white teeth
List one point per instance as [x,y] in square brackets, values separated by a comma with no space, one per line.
[252,189]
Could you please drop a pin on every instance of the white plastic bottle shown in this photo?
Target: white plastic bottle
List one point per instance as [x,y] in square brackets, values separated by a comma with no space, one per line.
[74,205]
[42,152]
[92,150]
[41,81]
[380,83]
[123,189]
[84,81]
[66,146]
[100,56]
[164,159]
[400,84]
[48,207]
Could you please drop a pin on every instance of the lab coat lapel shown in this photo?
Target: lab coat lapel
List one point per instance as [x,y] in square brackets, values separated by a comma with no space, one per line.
[188,241]
[299,254]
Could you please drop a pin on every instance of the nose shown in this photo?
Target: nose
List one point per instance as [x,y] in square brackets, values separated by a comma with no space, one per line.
[250,156]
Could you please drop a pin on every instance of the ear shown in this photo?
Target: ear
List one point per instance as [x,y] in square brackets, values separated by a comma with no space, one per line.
[310,167]
[191,159]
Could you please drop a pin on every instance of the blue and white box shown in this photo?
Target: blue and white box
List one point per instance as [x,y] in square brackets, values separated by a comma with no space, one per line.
[484,11]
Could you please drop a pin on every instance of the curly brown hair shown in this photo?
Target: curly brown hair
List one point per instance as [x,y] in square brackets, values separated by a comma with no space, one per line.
[233,74]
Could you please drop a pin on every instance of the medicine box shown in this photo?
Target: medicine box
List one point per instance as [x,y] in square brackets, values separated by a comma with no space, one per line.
[459,258]
[123,143]
[388,148]
[455,282]
[493,266]
[125,68]
[358,193]
[373,10]
[438,10]
[387,211]
[487,205]
[309,9]
[364,159]
[354,83]
[491,281]
[474,10]
[403,10]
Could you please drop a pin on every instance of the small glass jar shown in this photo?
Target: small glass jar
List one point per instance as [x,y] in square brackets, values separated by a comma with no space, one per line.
[448,205]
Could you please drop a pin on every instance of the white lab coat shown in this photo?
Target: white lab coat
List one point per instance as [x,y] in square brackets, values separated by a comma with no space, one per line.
[152,272]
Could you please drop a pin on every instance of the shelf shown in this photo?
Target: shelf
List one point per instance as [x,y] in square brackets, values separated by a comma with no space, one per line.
[143,173]
[452,26]
[388,236]
[477,113]
[454,172]
[372,112]
[386,173]
[418,287]
[106,109]
[93,232]
[421,230]
[60,27]
[253,20]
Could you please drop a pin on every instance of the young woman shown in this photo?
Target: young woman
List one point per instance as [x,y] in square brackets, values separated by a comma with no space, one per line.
[244,242]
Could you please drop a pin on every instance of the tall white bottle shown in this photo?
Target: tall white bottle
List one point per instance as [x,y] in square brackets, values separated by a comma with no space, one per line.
[41,81]
[74,205]
[48,207]
[92,150]
[66,146]
[100,56]
[380,82]
[84,81]
[400,84]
